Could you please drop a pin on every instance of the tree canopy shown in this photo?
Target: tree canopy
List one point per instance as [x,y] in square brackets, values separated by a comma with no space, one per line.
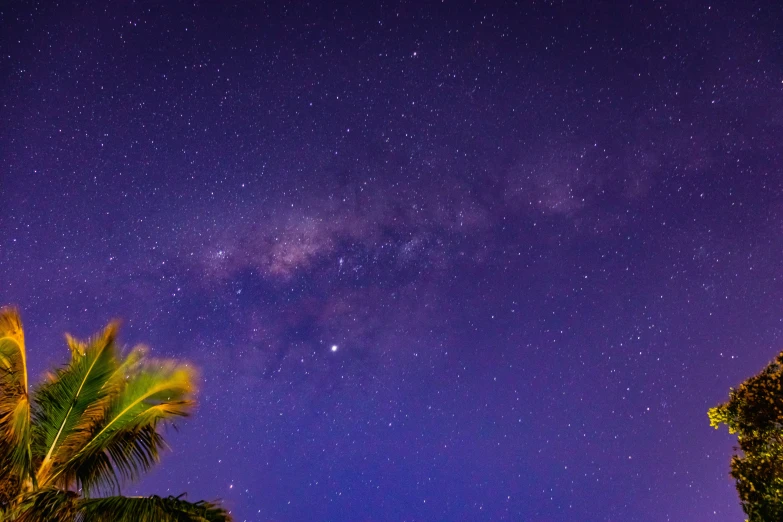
[754,412]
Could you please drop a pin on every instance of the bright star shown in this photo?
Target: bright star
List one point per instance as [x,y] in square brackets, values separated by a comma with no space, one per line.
[334,347]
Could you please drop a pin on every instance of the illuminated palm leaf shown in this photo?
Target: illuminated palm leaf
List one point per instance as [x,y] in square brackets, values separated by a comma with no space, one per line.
[126,442]
[94,424]
[73,400]
[15,453]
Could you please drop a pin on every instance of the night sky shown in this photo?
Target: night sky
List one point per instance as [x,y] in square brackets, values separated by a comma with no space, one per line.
[436,261]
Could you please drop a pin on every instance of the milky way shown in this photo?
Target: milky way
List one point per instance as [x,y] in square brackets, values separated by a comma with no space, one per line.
[436,261]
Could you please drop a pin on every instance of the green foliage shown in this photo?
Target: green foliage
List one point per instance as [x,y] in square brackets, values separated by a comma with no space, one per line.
[15,453]
[50,504]
[149,509]
[89,427]
[754,412]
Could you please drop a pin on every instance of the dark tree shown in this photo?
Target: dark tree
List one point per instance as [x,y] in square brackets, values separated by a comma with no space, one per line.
[754,412]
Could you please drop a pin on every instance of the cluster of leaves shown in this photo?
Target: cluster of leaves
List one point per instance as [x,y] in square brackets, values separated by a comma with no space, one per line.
[51,504]
[89,427]
[754,412]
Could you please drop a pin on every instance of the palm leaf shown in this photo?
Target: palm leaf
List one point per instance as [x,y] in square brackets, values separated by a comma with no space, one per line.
[15,453]
[73,400]
[46,505]
[125,457]
[149,509]
[127,441]
[49,504]
[95,423]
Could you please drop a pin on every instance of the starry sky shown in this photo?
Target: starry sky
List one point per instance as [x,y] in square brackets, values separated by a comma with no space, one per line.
[437,261]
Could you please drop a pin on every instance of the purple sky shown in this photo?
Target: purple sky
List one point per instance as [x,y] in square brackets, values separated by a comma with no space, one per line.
[543,239]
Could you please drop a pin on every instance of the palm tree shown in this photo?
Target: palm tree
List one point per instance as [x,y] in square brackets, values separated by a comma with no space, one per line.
[68,445]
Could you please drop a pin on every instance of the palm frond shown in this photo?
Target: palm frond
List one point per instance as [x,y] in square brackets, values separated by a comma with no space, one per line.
[93,424]
[73,400]
[15,453]
[125,457]
[127,442]
[46,505]
[149,509]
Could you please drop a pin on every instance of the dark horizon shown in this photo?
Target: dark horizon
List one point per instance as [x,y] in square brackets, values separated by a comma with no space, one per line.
[435,261]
